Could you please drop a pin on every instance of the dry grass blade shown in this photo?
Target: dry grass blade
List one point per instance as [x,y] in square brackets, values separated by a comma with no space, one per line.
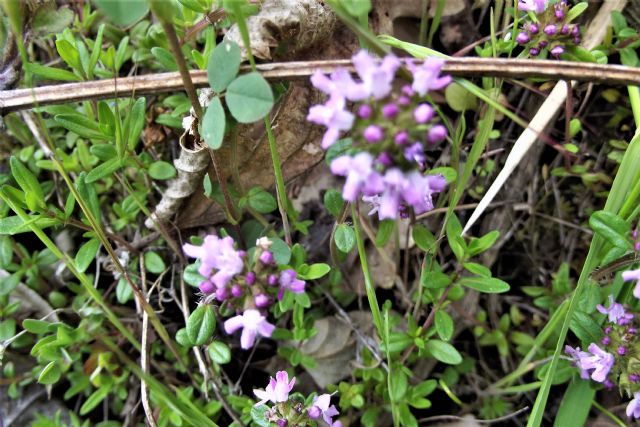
[151,84]
[594,36]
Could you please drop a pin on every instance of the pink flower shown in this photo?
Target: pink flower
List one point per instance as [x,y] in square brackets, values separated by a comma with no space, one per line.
[633,408]
[576,355]
[216,254]
[599,362]
[320,407]
[616,312]
[376,79]
[633,275]
[395,184]
[277,391]
[427,77]
[419,192]
[332,115]
[252,323]
[537,6]
[340,82]
[290,282]
[361,176]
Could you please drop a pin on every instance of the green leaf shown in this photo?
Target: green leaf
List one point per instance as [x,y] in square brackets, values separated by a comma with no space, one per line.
[223,65]
[489,285]
[153,263]
[8,284]
[249,98]
[162,170]
[333,202]
[14,224]
[50,374]
[280,250]
[182,338]
[124,292]
[261,201]
[123,13]
[315,271]
[165,58]
[69,54]
[135,122]
[191,275]
[86,254]
[443,351]
[444,325]
[104,170]
[344,237]
[213,124]
[459,98]
[356,8]
[477,246]
[423,237]
[385,230]
[435,280]
[450,174]
[95,54]
[398,386]
[51,73]
[219,352]
[6,251]
[95,398]
[35,326]
[259,417]
[103,152]
[610,226]
[576,11]
[477,269]
[28,182]
[201,324]
[81,125]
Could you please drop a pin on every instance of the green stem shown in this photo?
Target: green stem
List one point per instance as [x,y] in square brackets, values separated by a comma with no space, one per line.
[70,264]
[368,282]
[275,157]
[634,98]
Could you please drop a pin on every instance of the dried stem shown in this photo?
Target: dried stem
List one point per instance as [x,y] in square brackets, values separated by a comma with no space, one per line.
[19,99]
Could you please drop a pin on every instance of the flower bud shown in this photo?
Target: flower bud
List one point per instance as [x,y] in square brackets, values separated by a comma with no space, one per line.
[385,159]
[522,38]
[222,294]
[373,134]
[533,29]
[534,51]
[550,29]
[401,138]
[207,287]
[266,258]
[262,301]
[250,278]
[364,112]
[557,51]
[438,133]
[272,280]
[236,291]
[423,113]
[390,110]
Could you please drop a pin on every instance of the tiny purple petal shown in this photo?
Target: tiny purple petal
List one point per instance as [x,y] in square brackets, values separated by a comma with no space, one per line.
[423,113]
[437,133]
[365,111]
[389,111]
[373,134]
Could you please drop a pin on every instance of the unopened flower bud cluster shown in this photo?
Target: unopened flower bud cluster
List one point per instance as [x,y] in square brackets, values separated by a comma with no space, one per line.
[551,29]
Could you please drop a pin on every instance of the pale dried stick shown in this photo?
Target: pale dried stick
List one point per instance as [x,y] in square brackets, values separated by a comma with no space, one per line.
[594,36]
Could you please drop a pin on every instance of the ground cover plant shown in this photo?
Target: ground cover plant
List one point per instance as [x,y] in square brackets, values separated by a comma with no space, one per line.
[319,213]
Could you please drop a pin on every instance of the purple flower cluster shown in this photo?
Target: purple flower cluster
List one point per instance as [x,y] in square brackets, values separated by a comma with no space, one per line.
[248,288]
[614,360]
[391,131]
[290,412]
[551,30]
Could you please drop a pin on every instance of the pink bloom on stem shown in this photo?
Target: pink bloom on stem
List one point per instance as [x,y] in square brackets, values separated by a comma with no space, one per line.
[374,203]
[321,407]
[633,408]
[277,391]
[340,82]
[419,192]
[577,355]
[537,6]
[427,77]
[252,323]
[289,281]
[599,361]
[360,173]
[633,275]
[395,184]
[376,78]
[332,115]
[218,254]
[616,312]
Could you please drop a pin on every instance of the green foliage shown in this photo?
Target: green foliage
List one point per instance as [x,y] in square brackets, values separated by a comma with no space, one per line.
[249,98]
